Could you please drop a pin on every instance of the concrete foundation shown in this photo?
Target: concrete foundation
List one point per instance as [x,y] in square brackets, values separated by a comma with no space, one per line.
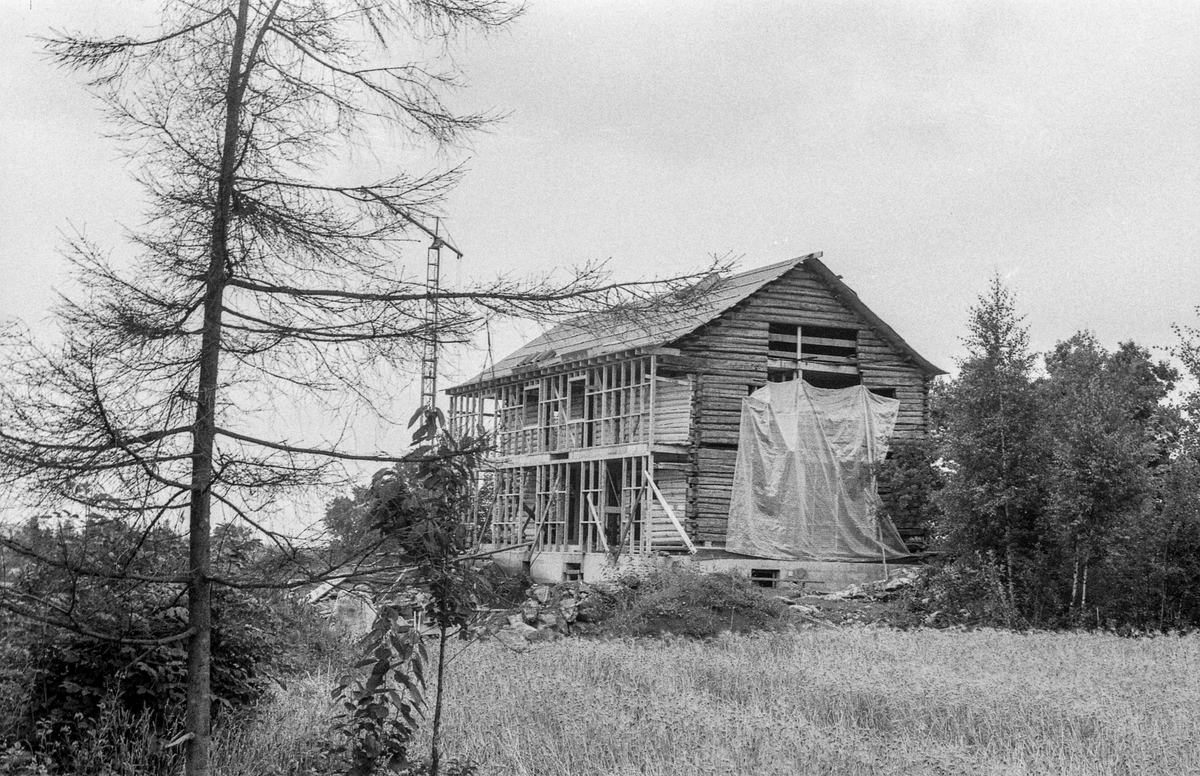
[824,576]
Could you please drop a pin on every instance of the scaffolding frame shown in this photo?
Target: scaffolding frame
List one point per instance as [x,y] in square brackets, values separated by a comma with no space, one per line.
[574,459]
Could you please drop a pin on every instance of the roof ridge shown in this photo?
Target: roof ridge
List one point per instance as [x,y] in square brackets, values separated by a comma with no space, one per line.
[589,335]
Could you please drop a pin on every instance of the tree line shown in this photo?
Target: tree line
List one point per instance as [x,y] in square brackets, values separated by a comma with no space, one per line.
[1065,493]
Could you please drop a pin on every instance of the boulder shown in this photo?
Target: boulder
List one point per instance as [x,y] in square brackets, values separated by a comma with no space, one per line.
[540,593]
[352,613]
[546,634]
[516,637]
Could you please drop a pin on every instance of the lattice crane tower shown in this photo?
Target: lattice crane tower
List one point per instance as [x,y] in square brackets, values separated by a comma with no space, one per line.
[433,287]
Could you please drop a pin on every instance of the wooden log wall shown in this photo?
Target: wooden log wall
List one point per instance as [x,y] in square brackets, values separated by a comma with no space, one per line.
[730,357]
[672,482]
[672,411]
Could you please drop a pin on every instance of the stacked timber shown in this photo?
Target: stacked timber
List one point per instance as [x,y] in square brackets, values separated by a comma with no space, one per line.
[672,411]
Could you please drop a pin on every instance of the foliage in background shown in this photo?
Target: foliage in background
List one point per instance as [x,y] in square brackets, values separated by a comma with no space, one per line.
[72,693]
[1187,351]
[966,590]
[1076,489]
[1103,410]
[908,481]
[992,444]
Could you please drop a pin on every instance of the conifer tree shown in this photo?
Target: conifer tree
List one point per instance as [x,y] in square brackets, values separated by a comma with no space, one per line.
[994,443]
[262,285]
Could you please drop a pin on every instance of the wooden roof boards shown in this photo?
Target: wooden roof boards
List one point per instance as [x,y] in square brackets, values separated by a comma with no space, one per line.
[601,334]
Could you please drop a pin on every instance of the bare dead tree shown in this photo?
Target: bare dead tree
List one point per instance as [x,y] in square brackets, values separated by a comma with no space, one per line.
[257,285]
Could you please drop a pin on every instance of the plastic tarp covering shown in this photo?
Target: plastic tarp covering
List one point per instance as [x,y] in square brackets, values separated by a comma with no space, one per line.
[803,487]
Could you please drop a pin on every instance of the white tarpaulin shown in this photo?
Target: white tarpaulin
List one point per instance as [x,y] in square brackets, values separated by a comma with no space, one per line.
[803,487]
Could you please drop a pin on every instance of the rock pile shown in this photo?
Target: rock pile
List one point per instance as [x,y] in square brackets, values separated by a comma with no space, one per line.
[899,578]
[550,612]
[860,604]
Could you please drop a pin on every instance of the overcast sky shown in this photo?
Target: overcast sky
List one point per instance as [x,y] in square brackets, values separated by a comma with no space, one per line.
[920,146]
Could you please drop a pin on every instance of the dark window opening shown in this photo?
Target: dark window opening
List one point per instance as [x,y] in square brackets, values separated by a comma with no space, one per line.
[782,340]
[572,572]
[574,494]
[831,332]
[578,393]
[765,577]
[826,349]
[887,393]
[831,379]
[530,413]
[828,344]
[780,375]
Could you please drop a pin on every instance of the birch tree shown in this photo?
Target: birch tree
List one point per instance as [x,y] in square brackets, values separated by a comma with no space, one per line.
[1106,413]
[261,282]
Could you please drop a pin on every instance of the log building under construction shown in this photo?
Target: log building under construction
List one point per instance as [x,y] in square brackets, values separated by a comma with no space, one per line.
[621,436]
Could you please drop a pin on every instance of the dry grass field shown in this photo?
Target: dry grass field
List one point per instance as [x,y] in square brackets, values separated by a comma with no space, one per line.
[858,701]
[832,701]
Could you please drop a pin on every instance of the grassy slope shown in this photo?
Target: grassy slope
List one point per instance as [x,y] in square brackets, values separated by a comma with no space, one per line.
[854,701]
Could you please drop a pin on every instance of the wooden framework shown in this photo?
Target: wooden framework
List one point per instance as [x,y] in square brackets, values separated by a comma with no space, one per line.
[576,454]
[632,449]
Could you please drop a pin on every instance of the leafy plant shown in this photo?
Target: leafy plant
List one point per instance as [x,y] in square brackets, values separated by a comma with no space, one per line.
[908,482]
[965,591]
[74,689]
[378,716]
[423,509]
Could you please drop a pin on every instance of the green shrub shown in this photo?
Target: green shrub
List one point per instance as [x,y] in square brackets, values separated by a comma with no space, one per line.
[74,695]
[966,591]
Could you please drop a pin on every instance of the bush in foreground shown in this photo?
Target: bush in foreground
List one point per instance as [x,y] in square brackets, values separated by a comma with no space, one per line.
[104,694]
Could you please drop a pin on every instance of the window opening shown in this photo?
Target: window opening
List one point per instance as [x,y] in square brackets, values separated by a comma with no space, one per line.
[828,342]
[612,502]
[822,379]
[829,356]
[578,394]
[575,505]
[532,405]
[783,352]
[765,577]
[782,340]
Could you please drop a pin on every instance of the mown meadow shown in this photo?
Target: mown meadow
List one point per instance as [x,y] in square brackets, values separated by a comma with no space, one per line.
[863,700]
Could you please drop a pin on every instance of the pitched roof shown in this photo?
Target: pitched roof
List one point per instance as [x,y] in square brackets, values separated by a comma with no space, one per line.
[847,295]
[605,333]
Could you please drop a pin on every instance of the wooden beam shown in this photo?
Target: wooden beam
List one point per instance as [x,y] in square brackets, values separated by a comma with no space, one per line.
[670,513]
[597,523]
